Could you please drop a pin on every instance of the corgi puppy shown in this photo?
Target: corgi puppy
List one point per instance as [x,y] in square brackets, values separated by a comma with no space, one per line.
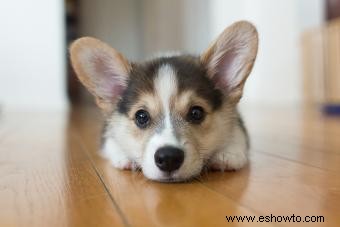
[174,115]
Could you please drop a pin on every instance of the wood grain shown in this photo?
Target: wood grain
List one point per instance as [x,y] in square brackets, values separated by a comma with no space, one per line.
[45,178]
[51,175]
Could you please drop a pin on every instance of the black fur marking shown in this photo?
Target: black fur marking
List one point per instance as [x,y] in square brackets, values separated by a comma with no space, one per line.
[141,80]
[191,75]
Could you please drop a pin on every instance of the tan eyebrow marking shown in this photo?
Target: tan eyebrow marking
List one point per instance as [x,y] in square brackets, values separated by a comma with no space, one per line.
[187,99]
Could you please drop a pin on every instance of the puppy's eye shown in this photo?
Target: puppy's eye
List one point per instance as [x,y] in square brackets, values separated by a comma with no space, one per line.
[142,118]
[196,114]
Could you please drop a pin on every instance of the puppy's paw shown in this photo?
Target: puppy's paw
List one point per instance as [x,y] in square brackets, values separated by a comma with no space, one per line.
[123,164]
[226,161]
[118,159]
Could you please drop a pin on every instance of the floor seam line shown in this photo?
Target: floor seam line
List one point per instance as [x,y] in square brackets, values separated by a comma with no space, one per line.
[107,190]
[295,161]
[257,213]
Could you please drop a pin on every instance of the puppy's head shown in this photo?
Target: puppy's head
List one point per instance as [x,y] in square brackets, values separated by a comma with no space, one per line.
[170,114]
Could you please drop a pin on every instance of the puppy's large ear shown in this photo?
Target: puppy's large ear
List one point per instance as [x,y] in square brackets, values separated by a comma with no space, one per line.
[230,58]
[102,70]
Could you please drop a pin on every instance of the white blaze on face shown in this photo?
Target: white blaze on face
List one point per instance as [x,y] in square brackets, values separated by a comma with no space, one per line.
[165,88]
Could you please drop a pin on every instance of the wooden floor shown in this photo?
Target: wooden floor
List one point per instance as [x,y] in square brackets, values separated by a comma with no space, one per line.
[50,175]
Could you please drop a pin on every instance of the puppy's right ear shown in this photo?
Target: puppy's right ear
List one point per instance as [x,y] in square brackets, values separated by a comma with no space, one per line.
[230,59]
[102,70]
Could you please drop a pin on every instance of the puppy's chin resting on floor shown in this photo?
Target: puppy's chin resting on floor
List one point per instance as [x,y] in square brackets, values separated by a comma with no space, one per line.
[171,116]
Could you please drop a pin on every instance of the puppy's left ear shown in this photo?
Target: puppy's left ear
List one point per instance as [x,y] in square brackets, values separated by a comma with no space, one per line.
[229,60]
[102,70]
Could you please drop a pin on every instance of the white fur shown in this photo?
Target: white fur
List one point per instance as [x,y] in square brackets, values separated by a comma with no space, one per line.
[234,155]
[165,88]
[166,54]
[119,146]
[115,154]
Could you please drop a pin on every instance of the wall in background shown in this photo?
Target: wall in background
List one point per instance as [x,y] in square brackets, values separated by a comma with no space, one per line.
[142,28]
[176,25]
[116,22]
[32,57]
[277,75]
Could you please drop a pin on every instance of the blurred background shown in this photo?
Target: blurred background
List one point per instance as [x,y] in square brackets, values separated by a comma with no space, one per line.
[298,60]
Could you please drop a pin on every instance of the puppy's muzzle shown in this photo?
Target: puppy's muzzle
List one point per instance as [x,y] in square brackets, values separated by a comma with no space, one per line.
[169,158]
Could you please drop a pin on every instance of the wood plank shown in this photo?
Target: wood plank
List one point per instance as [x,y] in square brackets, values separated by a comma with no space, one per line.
[298,153]
[307,128]
[303,136]
[47,180]
[275,186]
[147,203]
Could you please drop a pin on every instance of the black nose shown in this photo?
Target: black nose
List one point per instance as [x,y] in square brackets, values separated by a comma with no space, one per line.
[169,158]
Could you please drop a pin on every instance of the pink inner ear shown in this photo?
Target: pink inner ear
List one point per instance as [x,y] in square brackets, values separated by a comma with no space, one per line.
[225,74]
[109,83]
